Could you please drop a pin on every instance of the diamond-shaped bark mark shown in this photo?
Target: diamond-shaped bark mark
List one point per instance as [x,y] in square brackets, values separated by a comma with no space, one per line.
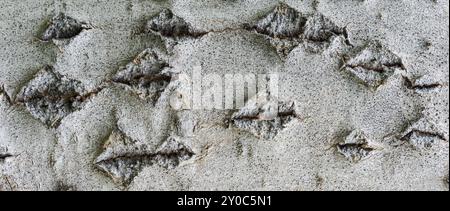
[169,25]
[424,84]
[50,97]
[145,74]
[318,28]
[63,27]
[264,117]
[423,134]
[287,29]
[282,22]
[123,158]
[374,64]
[355,146]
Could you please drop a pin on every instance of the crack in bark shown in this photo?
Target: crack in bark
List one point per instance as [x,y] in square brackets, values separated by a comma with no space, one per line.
[4,154]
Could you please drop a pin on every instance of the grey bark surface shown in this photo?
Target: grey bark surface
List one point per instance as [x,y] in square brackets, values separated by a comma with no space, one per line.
[86,95]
